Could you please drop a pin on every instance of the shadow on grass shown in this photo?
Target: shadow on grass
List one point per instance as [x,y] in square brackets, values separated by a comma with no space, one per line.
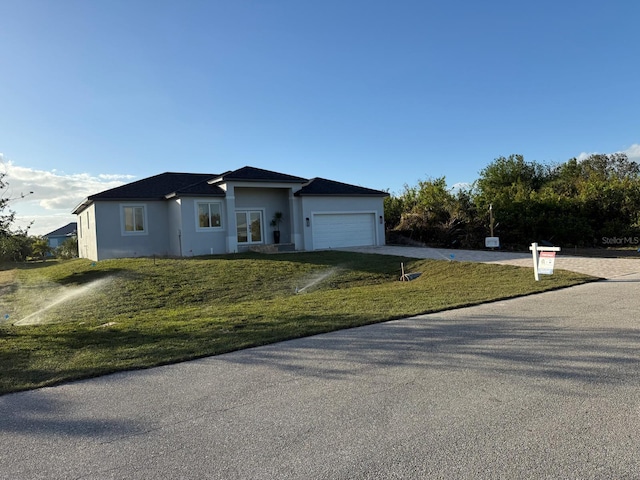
[75,278]
[30,265]
[372,263]
[88,276]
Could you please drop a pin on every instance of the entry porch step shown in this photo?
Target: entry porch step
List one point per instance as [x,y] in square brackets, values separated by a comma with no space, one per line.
[273,248]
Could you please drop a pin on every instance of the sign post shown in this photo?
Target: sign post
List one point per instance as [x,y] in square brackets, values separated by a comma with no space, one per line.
[543,259]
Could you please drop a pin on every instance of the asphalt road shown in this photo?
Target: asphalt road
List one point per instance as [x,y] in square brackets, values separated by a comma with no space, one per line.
[545,386]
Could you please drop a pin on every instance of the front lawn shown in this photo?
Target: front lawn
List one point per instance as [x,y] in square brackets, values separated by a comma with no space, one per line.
[76,319]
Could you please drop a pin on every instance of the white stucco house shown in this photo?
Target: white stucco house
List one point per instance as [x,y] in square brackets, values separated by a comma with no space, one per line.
[189,214]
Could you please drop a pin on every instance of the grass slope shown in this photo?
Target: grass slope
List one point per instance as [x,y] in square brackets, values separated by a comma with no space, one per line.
[137,313]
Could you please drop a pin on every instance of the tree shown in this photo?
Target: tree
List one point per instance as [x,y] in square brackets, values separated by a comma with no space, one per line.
[509,185]
[511,177]
[15,246]
[607,188]
[393,209]
[68,248]
[431,213]
[6,219]
[40,247]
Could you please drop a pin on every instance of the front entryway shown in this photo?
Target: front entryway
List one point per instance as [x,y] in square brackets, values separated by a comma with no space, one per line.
[250,227]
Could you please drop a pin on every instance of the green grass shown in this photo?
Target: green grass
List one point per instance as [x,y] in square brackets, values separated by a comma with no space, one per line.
[149,312]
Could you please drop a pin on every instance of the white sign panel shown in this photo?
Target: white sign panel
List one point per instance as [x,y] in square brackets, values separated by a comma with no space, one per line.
[546,261]
[492,242]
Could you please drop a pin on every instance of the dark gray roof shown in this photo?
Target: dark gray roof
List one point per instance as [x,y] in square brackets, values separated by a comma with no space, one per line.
[66,231]
[322,186]
[252,174]
[203,188]
[156,187]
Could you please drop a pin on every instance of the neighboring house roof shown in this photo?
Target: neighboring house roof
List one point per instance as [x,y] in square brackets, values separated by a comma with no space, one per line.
[322,186]
[67,231]
[252,174]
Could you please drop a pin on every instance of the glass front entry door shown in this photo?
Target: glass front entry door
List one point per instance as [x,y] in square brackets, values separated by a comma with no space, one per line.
[249,226]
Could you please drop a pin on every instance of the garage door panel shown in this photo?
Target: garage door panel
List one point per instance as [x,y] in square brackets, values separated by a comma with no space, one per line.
[343,230]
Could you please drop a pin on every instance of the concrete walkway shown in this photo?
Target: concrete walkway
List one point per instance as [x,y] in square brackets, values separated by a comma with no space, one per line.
[596,267]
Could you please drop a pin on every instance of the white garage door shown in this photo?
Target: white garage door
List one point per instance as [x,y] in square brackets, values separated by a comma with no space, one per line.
[335,230]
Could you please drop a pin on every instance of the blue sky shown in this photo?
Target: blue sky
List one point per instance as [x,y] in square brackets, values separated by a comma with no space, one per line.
[375,93]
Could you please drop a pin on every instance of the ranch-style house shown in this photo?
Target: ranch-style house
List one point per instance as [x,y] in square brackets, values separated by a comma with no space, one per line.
[189,214]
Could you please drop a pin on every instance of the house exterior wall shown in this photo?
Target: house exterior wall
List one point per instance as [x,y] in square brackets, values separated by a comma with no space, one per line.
[296,222]
[311,205]
[87,235]
[197,241]
[56,241]
[270,201]
[174,216]
[113,243]
[231,242]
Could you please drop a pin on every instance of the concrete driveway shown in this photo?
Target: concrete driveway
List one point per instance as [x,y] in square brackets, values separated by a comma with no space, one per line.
[596,267]
[545,386]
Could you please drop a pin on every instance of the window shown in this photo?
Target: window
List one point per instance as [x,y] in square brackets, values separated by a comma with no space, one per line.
[133,219]
[209,215]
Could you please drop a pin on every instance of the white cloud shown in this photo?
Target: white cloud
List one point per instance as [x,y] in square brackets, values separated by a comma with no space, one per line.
[55,194]
[633,152]
[585,155]
[460,186]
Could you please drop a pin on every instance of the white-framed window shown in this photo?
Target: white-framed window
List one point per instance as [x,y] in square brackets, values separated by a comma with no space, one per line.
[208,215]
[134,219]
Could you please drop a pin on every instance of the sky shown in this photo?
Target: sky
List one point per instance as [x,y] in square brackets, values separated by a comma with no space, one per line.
[94,94]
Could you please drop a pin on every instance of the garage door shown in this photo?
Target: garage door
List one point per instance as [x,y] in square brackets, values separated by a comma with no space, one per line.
[337,230]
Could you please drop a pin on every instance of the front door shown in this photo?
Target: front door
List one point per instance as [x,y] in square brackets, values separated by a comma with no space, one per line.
[249,224]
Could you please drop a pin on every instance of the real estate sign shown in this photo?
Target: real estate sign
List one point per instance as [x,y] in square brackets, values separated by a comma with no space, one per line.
[546,261]
[543,259]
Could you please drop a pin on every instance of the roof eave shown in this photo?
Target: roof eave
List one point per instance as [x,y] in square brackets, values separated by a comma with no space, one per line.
[306,194]
[183,195]
[81,206]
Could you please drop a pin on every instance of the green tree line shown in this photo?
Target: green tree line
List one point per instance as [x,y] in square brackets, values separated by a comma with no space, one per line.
[577,203]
